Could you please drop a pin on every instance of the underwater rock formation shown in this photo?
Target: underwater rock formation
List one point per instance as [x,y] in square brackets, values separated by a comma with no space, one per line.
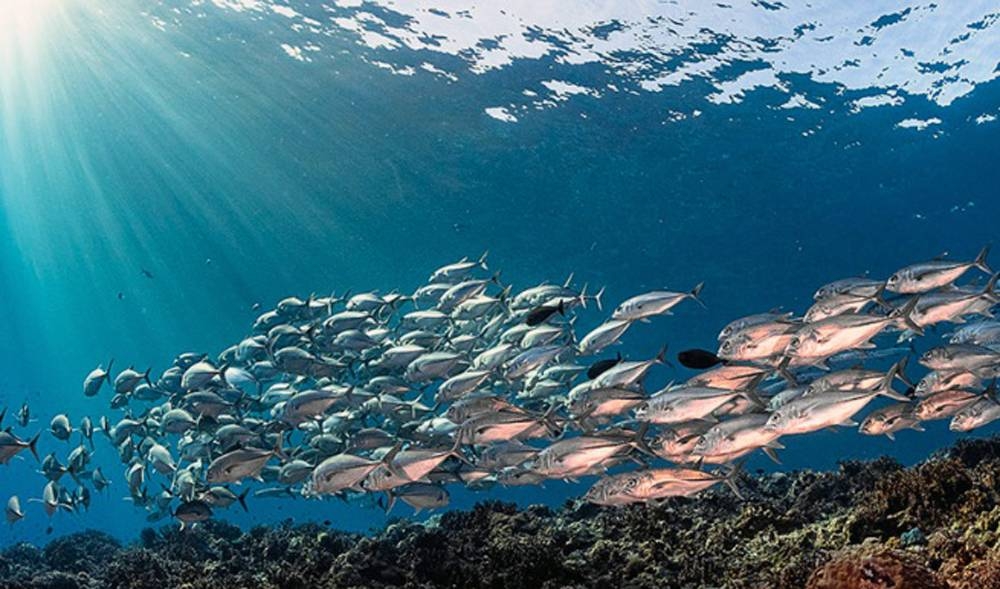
[870,525]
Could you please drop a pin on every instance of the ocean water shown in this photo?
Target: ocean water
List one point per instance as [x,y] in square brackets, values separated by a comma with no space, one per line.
[242,151]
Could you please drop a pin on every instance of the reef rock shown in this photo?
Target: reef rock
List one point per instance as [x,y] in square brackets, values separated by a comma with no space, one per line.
[880,569]
[849,529]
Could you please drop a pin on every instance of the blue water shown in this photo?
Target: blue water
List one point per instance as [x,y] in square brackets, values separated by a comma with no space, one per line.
[186,141]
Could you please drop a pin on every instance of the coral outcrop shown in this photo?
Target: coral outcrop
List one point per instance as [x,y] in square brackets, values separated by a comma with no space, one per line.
[869,525]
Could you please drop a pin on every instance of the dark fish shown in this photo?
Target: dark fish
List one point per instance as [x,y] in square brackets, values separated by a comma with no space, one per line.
[147,273]
[542,312]
[698,359]
[121,296]
[601,366]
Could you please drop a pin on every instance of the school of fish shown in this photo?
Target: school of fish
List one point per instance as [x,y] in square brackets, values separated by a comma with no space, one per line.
[467,381]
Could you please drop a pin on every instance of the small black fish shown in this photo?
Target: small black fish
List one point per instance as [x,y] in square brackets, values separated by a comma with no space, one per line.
[121,296]
[147,273]
[601,366]
[698,359]
[542,312]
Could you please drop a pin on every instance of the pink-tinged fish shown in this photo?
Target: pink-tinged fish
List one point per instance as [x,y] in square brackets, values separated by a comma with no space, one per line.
[889,420]
[927,276]
[816,342]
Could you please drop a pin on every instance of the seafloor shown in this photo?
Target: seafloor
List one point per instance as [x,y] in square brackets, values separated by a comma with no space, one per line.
[871,525]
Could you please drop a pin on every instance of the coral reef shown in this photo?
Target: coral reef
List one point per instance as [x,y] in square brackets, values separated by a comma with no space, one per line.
[870,525]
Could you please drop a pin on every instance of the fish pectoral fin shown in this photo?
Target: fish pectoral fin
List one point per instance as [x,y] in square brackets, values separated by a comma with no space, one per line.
[772,454]
[891,436]
[849,423]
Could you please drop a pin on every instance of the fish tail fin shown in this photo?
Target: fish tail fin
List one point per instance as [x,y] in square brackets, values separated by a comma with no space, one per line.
[597,298]
[582,423]
[278,449]
[242,498]
[989,291]
[695,292]
[413,406]
[482,260]
[389,461]
[782,369]
[879,296]
[639,440]
[390,500]
[751,392]
[571,333]
[222,373]
[582,298]
[145,376]
[33,446]
[569,280]
[392,304]
[900,368]
[107,371]
[885,387]
[549,421]
[495,279]
[456,451]
[561,308]
[905,314]
[730,478]
[661,356]
[980,261]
